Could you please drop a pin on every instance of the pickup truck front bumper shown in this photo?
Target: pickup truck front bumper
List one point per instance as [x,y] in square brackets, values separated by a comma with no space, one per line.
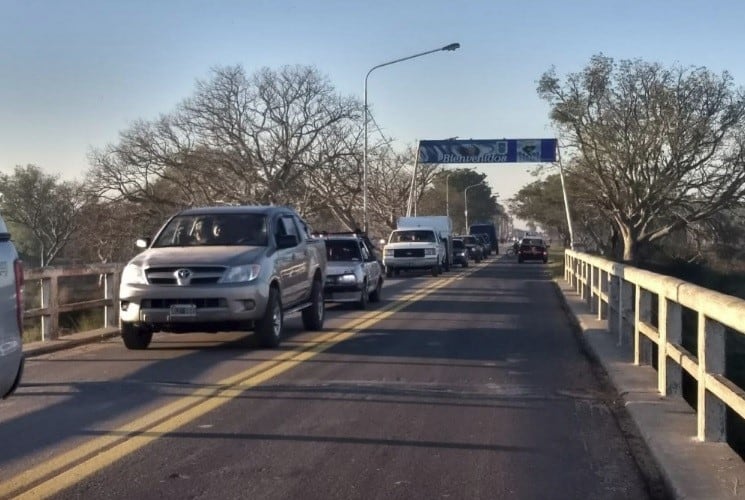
[427,262]
[160,305]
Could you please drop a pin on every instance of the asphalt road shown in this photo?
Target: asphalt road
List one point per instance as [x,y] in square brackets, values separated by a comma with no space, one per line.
[469,385]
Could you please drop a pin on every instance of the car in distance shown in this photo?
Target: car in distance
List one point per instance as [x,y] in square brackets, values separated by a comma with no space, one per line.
[489,229]
[460,252]
[224,269]
[485,243]
[11,314]
[532,249]
[473,246]
[354,274]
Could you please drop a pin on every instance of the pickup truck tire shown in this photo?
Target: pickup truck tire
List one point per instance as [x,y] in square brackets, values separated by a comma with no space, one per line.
[377,294]
[364,297]
[313,315]
[135,337]
[269,327]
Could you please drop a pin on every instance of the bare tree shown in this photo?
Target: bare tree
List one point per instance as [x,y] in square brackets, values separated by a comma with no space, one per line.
[239,139]
[108,230]
[655,148]
[45,207]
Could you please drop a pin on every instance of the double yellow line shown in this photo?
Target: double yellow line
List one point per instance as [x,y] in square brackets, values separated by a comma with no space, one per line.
[73,466]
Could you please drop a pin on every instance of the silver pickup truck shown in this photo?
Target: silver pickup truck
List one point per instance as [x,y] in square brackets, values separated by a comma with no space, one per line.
[224,269]
[11,314]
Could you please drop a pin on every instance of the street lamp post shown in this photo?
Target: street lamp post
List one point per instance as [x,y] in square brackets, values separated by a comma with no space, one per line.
[447,195]
[452,46]
[465,200]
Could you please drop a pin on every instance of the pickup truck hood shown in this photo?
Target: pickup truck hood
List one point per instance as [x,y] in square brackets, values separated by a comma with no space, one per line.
[341,267]
[195,256]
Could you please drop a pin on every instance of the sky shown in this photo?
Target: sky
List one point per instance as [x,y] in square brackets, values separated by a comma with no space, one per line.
[75,73]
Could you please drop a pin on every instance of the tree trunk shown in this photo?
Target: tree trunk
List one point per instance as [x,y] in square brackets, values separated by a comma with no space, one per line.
[629,250]
[630,243]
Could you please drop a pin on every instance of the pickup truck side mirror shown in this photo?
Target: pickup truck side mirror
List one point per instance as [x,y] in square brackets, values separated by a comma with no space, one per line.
[287,241]
[142,243]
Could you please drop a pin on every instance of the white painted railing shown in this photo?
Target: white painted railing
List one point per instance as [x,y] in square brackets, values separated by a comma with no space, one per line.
[624,296]
[49,308]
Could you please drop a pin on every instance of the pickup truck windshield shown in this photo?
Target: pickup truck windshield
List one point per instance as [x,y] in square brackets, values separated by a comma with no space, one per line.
[412,235]
[214,230]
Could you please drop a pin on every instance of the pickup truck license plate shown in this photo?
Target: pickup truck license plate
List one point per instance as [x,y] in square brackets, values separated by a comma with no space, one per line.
[183,311]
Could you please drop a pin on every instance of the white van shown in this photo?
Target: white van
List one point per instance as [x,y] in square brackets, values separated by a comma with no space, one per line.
[11,314]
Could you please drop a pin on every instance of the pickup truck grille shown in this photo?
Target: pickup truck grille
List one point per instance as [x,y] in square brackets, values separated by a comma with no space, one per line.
[166,303]
[408,252]
[196,275]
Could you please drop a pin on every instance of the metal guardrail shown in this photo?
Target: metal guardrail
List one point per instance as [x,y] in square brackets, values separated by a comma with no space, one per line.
[624,296]
[49,307]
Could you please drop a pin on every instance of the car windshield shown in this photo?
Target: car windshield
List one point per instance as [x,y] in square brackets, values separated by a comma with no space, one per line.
[342,250]
[214,230]
[412,235]
[458,244]
[470,240]
[534,242]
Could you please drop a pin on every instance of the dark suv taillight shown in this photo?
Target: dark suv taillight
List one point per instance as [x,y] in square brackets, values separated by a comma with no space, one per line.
[18,270]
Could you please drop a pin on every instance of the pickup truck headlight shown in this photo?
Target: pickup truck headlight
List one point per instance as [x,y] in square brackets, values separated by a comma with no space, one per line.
[388,252]
[429,251]
[133,275]
[241,274]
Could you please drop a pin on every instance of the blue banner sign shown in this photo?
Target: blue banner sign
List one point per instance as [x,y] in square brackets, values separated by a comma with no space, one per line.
[488,151]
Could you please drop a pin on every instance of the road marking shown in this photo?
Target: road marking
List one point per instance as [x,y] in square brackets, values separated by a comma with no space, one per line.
[63,471]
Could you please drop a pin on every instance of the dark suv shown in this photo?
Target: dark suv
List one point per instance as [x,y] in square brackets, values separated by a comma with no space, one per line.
[532,249]
[485,243]
[473,246]
[460,252]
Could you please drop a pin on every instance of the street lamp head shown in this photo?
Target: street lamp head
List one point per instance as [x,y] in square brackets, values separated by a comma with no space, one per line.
[452,46]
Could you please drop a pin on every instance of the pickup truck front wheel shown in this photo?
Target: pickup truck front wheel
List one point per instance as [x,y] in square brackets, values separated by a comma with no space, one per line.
[269,327]
[135,337]
[313,315]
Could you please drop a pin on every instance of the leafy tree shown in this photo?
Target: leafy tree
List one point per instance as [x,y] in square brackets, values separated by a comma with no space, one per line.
[655,148]
[482,204]
[542,202]
[45,209]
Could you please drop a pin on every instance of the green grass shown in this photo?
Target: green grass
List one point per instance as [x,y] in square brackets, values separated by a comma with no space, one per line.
[72,322]
[556,262]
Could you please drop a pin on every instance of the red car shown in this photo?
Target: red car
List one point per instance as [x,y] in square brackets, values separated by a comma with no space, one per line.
[532,249]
